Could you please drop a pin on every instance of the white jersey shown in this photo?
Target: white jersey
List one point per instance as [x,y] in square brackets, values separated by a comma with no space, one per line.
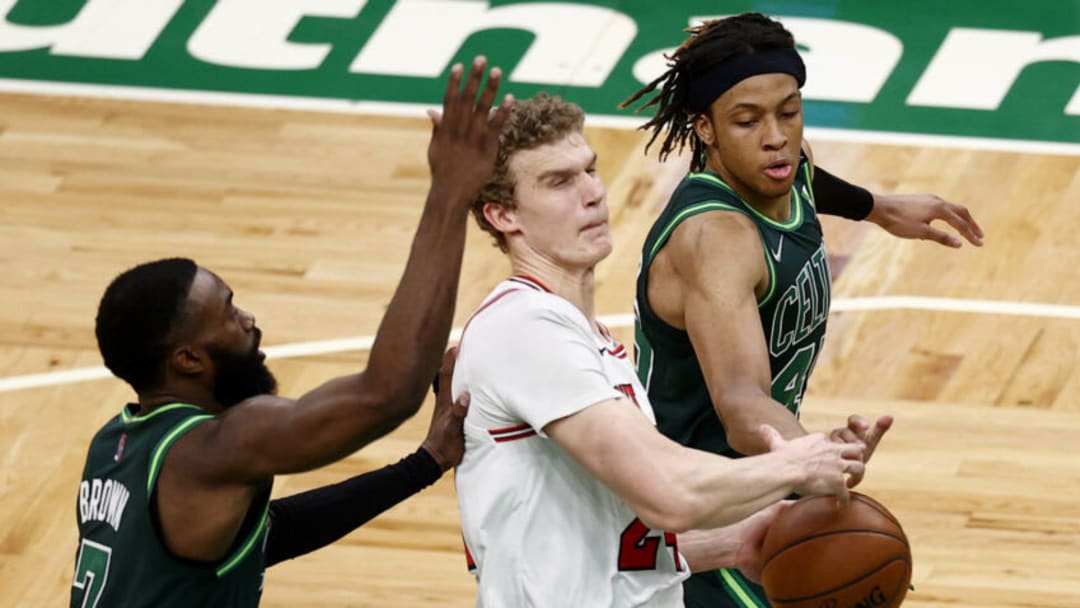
[540,529]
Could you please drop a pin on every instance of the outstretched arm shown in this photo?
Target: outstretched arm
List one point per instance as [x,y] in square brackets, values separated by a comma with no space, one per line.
[311,520]
[908,216]
[721,267]
[269,435]
[719,262]
[211,474]
[675,488]
[302,523]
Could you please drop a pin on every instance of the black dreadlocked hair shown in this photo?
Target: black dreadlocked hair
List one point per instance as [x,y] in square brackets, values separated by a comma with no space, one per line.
[708,44]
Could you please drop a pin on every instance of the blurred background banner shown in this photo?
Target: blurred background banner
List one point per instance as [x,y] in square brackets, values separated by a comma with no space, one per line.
[997,69]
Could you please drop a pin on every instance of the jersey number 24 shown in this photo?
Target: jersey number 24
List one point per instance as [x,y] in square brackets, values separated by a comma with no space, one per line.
[639,551]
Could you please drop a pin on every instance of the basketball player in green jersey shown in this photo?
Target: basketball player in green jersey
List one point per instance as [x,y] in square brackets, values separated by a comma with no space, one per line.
[173,508]
[733,291]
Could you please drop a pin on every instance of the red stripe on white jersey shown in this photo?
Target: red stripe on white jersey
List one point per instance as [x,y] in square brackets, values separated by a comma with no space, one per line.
[470,563]
[510,429]
[511,433]
[528,281]
[619,352]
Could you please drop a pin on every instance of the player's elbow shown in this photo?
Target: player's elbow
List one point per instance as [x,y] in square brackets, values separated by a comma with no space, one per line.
[390,403]
[398,390]
[666,521]
[396,409]
[741,425]
[674,512]
[405,397]
[744,441]
[406,403]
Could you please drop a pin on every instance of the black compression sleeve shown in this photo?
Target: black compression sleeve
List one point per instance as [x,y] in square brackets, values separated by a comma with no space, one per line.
[835,196]
[310,520]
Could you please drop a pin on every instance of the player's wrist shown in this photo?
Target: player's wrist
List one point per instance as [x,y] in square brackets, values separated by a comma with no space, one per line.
[836,196]
[451,199]
[881,212]
[437,456]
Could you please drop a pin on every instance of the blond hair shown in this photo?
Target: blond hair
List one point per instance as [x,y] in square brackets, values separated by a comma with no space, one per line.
[532,123]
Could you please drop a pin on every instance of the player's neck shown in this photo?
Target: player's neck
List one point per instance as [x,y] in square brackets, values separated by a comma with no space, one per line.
[575,286]
[777,208]
[155,398]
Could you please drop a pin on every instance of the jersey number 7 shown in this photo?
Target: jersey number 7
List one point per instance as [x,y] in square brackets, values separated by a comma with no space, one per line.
[91,571]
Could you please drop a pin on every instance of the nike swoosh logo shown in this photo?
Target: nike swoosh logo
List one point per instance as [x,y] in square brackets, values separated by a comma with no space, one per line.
[779,248]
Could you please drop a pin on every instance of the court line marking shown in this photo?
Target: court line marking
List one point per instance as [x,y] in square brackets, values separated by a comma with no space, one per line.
[415,110]
[361,343]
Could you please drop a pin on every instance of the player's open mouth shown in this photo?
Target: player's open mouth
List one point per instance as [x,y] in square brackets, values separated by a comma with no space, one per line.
[779,170]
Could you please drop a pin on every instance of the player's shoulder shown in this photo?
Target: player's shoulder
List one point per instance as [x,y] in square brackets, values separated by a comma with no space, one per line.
[707,231]
[513,307]
[714,244]
[703,187]
[702,198]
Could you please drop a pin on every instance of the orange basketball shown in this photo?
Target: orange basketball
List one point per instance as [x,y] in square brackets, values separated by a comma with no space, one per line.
[818,555]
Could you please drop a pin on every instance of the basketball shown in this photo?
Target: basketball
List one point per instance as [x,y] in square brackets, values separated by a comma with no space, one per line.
[818,555]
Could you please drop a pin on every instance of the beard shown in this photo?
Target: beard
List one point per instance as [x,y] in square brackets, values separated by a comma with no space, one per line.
[241,376]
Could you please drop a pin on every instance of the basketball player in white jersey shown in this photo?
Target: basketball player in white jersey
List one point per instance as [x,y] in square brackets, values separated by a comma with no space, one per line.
[568,494]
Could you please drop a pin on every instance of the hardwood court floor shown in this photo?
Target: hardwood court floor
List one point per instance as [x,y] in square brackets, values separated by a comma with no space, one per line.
[309,217]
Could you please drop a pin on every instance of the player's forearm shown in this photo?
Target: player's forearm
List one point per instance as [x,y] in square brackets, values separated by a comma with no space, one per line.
[347,413]
[706,550]
[744,416]
[304,522]
[412,337]
[678,489]
[726,491]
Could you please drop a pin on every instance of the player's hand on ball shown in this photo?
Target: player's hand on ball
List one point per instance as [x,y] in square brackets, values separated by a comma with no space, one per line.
[751,531]
[823,465]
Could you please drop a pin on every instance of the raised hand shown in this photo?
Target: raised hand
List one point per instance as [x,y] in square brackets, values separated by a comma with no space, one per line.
[859,431]
[910,216]
[445,439]
[465,135]
[823,464]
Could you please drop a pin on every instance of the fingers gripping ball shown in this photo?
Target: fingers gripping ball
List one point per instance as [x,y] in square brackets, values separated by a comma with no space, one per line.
[818,555]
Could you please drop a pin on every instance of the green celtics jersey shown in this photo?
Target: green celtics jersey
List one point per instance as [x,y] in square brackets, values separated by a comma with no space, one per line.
[793,309]
[121,560]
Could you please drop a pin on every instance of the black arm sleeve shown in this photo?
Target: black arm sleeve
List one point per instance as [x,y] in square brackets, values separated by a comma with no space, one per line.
[311,520]
[835,196]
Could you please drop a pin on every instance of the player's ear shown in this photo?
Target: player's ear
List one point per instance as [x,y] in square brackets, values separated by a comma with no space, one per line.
[187,361]
[501,217]
[704,129]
